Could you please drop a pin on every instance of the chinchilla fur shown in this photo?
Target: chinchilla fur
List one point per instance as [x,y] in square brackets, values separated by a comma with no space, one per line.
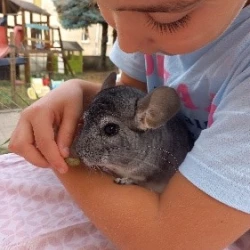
[139,138]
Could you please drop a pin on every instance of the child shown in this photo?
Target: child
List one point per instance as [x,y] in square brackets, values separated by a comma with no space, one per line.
[202,49]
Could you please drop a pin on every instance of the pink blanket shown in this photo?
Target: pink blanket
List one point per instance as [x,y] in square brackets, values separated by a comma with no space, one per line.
[37,213]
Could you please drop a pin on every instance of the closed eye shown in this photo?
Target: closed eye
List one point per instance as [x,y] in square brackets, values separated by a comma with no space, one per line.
[168,27]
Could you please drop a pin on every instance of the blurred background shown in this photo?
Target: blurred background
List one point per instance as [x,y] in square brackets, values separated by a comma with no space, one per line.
[42,44]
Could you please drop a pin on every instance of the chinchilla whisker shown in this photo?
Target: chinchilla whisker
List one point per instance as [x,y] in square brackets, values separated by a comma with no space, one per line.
[139,161]
[166,152]
[95,169]
[165,156]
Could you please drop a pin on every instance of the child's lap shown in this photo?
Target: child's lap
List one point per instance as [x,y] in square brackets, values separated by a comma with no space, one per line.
[37,213]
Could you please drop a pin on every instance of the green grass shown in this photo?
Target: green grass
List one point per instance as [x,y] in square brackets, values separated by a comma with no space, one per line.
[21,99]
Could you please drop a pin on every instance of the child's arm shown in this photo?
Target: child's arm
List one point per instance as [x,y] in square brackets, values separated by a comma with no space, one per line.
[182,217]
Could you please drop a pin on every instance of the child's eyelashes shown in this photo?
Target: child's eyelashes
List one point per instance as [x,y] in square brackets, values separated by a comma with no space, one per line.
[168,27]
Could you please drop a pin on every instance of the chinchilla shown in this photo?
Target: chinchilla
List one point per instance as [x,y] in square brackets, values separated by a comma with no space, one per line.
[139,138]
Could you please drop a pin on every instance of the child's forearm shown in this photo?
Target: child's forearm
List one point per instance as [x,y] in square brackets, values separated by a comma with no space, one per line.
[134,218]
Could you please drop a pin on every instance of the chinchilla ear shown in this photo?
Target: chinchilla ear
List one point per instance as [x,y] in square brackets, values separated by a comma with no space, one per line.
[156,108]
[110,81]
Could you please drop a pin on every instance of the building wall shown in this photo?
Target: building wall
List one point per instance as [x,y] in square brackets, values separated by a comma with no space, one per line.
[92,45]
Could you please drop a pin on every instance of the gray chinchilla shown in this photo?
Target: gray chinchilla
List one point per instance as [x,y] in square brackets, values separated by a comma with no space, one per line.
[137,137]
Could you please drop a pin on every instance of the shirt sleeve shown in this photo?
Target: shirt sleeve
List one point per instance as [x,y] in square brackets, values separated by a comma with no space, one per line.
[219,163]
[133,64]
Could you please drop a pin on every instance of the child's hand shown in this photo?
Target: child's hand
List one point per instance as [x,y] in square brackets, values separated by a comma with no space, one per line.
[46,128]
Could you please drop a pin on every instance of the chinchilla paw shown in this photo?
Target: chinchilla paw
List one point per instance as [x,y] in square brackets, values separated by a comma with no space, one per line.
[123,181]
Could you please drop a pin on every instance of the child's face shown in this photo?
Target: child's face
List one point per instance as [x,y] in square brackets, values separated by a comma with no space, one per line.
[168,26]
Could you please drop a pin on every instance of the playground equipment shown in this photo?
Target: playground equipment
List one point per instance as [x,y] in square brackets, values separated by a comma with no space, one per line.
[33,37]
[38,89]
[5,49]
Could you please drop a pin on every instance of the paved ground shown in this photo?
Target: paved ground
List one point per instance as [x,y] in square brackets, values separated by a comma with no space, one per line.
[8,121]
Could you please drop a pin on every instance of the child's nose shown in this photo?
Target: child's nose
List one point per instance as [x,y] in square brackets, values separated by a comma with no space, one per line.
[128,42]
[133,38]
[131,44]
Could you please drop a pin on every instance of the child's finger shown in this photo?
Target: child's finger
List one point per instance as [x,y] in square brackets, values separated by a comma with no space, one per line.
[34,156]
[22,143]
[45,141]
[66,132]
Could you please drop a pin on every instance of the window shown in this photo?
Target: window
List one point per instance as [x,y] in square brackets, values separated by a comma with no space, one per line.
[85,35]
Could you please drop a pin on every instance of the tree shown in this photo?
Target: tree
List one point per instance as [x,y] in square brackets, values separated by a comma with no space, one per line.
[81,14]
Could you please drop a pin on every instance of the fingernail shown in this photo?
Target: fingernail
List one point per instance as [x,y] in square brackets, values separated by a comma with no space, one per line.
[62,170]
[65,151]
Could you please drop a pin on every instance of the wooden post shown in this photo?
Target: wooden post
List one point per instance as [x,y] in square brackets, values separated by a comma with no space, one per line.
[67,67]
[4,9]
[48,34]
[15,19]
[103,61]
[13,66]
[25,43]
[26,54]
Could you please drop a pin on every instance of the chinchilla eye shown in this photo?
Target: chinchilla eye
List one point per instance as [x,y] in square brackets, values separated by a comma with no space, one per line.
[111,129]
